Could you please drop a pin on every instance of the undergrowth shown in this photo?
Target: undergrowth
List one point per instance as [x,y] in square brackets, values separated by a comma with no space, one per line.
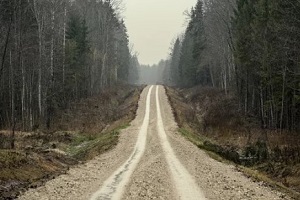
[86,129]
[210,119]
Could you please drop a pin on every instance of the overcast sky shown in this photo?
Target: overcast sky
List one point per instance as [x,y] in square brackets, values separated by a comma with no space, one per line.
[153,24]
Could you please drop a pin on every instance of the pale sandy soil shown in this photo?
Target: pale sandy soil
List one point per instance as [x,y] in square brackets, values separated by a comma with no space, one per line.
[157,172]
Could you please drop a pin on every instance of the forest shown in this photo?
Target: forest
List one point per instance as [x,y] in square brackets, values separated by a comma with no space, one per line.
[54,52]
[71,84]
[247,48]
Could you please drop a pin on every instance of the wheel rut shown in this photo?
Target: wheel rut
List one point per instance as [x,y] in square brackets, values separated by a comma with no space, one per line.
[153,161]
[114,186]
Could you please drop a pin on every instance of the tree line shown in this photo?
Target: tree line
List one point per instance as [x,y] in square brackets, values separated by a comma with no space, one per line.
[249,47]
[53,52]
[152,74]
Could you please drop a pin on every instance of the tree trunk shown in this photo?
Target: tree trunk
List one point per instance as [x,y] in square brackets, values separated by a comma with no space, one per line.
[283,98]
[211,75]
[5,47]
[13,121]
[51,87]
[64,52]
[103,71]
[262,110]
[39,21]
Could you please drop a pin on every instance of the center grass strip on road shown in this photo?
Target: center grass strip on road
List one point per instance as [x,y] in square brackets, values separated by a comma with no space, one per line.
[113,187]
[185,184]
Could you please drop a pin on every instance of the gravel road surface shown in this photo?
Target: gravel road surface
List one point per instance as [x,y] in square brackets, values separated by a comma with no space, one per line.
[153,161]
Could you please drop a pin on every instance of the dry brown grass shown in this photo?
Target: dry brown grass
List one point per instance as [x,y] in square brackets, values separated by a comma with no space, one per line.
[94,114]
[19,170]
[215,123]
[88,128]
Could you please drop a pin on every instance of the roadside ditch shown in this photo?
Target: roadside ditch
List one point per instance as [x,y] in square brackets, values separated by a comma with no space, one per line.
[86,129]
[211,120]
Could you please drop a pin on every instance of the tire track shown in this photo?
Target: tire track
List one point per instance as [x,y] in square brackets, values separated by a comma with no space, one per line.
[113,187]
[159,173]
[152,178]
[185,184]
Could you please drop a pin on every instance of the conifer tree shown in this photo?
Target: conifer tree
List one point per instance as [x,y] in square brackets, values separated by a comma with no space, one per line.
[174,65]
[191,67]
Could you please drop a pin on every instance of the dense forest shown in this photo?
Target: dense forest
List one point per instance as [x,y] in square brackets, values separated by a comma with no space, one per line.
[153,74]
[249,48]
[53,52]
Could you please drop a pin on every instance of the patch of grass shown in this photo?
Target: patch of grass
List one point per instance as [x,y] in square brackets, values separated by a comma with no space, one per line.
[85,148]
[80,138]
[252,173]
[258,176]
[199,142]
[19,166]
[11,158]
[190,136]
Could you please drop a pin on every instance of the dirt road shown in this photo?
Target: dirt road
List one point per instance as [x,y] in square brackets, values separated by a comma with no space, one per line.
[152,161]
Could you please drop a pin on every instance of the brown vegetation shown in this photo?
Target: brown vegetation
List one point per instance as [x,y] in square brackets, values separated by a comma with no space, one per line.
[89,127]
[214,122]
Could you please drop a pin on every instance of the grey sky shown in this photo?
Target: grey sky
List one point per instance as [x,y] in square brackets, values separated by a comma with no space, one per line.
[153,24]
